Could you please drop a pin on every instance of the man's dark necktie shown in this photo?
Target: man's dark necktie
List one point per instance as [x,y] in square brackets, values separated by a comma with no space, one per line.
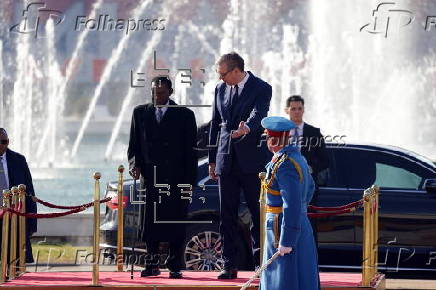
[297,138]
[233,98]
[159,115]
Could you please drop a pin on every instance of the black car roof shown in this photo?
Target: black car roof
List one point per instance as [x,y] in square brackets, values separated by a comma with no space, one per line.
[414,157]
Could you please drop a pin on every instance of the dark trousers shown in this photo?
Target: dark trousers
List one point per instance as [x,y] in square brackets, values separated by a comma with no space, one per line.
[29,254]
[174,259]
[230,186]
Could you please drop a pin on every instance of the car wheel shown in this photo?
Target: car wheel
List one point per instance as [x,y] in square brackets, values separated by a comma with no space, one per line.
[203,249]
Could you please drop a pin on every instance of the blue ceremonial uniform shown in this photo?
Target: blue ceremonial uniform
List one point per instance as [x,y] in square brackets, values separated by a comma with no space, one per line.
[289,190]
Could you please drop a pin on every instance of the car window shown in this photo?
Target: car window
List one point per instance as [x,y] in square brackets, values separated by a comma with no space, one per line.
[361,166]
[385,169]
[396,177]
[337,171]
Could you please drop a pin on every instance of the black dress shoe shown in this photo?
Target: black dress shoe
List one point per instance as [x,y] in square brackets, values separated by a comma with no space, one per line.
[150,272]
[176,275]
[228,274]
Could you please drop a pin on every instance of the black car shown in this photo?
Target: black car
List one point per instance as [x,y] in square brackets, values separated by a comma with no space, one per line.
[407,225]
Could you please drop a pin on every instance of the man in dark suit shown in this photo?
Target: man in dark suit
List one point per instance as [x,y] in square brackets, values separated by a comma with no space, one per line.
[162,152]
[310,139]
[235,154]
[312,146]
[13,172]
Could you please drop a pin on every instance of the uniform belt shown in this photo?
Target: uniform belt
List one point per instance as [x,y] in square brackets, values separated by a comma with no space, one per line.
[273,192]
[274,209]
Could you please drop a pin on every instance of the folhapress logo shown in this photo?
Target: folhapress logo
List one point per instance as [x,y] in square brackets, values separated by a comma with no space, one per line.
[386,19]
[31,19]
[105,22]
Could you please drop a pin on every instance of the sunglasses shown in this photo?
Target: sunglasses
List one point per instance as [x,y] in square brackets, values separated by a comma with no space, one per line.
[4,141]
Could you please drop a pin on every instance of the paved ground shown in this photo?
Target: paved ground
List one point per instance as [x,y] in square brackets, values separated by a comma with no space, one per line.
[410,284]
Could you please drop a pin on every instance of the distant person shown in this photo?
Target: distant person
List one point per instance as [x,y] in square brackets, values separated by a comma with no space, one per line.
[287,227]
[312,142]
[13,172]
[235,155]
[163,139]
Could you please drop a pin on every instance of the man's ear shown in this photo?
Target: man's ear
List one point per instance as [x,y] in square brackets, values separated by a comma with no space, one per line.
[171,91]
[287,110]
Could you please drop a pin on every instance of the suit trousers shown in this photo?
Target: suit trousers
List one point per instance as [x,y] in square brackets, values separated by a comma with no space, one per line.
[174,259]
[29,253]
[230,186]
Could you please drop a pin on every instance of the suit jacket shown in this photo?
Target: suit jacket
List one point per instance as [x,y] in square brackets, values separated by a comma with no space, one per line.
[313,149]
[168,146]
[19,173]
[252,105]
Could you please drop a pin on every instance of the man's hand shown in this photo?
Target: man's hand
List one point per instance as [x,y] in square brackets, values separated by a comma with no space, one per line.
[242,130]
[135,172]
[212,174]
[284,250]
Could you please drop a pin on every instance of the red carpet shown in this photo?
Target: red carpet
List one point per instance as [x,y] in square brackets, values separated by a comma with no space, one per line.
[190,278]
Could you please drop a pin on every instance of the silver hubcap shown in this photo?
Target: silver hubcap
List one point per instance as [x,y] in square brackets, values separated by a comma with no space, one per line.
[204,252]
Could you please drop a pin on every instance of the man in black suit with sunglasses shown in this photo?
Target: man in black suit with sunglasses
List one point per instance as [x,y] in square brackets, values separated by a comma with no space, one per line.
[13,172]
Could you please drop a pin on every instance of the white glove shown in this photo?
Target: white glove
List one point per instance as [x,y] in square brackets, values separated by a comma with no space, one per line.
[284,250]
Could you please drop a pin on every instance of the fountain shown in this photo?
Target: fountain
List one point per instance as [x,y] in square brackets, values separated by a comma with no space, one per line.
[116,53]
[68,75]
[365,86]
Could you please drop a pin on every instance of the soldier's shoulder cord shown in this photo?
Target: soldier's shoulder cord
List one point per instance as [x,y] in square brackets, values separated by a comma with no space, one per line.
[276,166]
[297,167]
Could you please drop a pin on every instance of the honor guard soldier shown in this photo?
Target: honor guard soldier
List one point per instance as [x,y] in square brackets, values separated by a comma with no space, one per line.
[287,228]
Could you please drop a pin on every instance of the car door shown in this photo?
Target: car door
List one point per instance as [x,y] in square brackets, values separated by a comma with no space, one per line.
[407,213]
[336,237]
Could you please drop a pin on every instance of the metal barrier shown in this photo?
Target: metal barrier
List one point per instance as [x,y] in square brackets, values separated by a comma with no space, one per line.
[120,232]
[96,247]
[14,228]
[13,237]
[22,229]
[370,235]
[5,235]
[263,189]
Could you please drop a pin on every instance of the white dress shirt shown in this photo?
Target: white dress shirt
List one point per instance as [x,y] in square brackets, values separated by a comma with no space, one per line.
[299,129]
[240,85]
[5,168]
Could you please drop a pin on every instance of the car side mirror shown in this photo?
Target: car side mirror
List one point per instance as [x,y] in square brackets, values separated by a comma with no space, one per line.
[430,186]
